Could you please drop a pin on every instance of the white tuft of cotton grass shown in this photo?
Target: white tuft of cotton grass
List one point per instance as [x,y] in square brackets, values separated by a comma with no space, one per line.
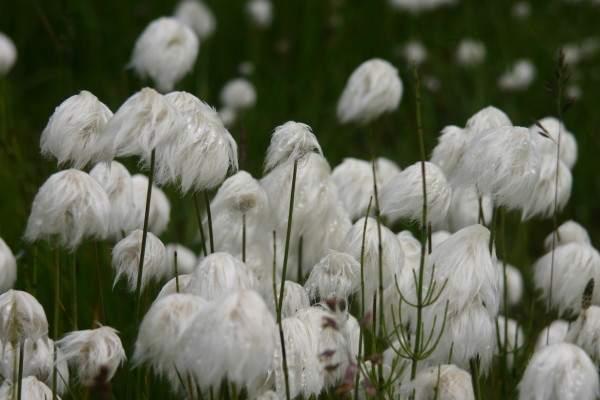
[126,259]
[31,388]
[166,51]
[546,193]
[160,207]
[336,275]
[295,298]
[514,285]
[511,334]
[171,286]
[548,145]
[8,267]
[289,143]
[568,232]
[470,52]
[21,317]
[92,353]
[73,130]
[260,12]
[560,371]
[8,54]
[442,382]
[451,146]
[402,197]
[553,333]
[518,76]
[198,16]
[238,94]
[373,89]
[487,118]
[186,260]
[585,332]
[464,209]
[69,206]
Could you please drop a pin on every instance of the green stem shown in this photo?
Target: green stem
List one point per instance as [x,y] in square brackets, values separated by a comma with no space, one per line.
[244,237]
[73,272]
[199,217]
[99,277]
[176,272]
[56,316]
[493,228]
[21,357]
[209,217]
[300,245]
[285,366]
[35,271]
[474,364]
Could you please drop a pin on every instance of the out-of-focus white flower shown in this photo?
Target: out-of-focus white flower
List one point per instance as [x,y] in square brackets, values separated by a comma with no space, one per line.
[514,285]
[521,10]
[585,332]
[246,68]
[295,298]
[484,119]
[573,91]
[414,51]
[337,275]
[171,286]
[560,371]
[21,317]
[238,94]
[553,333]
[160,208]
[518,77]
[69,206]
[417,6]
[31,388]
[373,89]
[196,15]
[442,382]
[186,259]
[8,267]
[546,193]
[544,145]
[126,259]
[92,353]
[464,209]
[289,143]
[8,54]
[511,334]
[73,130]
[470,52]
[166,51]
[260,12]
[228,116]
[568,232]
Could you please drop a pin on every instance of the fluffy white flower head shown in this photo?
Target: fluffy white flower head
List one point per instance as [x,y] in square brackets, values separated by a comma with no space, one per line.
[260,12]
[542,199]
[8,54]
[484,119]
[290,142]
[443,382]
[553,333]
[238,94]
[8,267]
[337,275]
[31,388]
[470,52]
[568,232]
[21,317]
[198,16]
[518,77]
[160,208]
[186,259]
[585,332]
[547,145]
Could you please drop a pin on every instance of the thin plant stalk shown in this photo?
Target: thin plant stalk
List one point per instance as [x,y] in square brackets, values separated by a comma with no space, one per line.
[286,377]
[21,356]
[73,273]
[99,277]
[474,365]
[176,272]
[209,218]
[300,245]
[244,237]
[56,317]
[362,262]
[200,228]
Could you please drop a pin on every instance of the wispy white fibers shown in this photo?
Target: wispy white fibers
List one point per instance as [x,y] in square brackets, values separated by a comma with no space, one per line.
[69,206]
[560,371]
[442,382]
[186,259]
[201,152]
[295,298]
[259,260]
[470,52]
[402,197]
[218,274]
[514,284]
[145,121]
[160,208]
[198,16]
[464,209]
[484,119]
[518,77]
[336,275]
[241,197]
[260,12]
[502,163]
[8,54]
[166,51]
[289,143]
[546,192]
[116,181]
[514,339]
[31,388]
[373,89]
[126,259]
[21,317]
[238,94]
[574,265]
[553,333]
[232,337]
[73,130]
[8,267]
[171,286]
[545,145]
[91,353]
[354,181]
[159,342]
[568,232]
[585,332]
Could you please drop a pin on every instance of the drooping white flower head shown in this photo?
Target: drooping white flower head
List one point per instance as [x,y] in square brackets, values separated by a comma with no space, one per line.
[561,371]
[259,260]
[443,382]
[574,265]
[160,208]
[295,298]
[260,12]
[218,274]
[116,181]
[502,163]
[202,152]
[8,267]
[438,237]
[289,143]
[73,130]
[451,145]
[196,15]
[171,286]
[186,259]
[402,197]
[238,94]
[166,51]
[464,209]
[373,89]
[414,51]
[8,54]
[147,120]
[568,232]
[126,259]
[470,52]
[31,388]
[69,206]
[511,334]
[585,332]
[484,119]
[553,127]
[232,337]
[91,353]
[514,285]
[553,333]
[337,275]
[542,199]
[518,77]
[21,317]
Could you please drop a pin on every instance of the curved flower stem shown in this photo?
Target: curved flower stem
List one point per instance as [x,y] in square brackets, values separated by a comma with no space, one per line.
[199,217]
[209,218]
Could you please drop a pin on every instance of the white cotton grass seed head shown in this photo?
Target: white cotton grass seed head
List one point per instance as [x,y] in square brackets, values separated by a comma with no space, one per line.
[373,89]
[171,286]
[202,152]
[502,163]
[260,12]
[31,388]
[585,332]
[196,15]
[548,145]
[442,382]
[402,197]
[561,371]
[519,76]
[116,181]
[548,197]
[336,275]
[568,232]
[160,207]
[91,353]
[238,94]
[514,284]
[232,337]
[73,130]
[166,51]
[484,119]
[414,51]
[147,120]
[464,209]
[295,298]
[8,54]
[417,6]
[510,333]
[438,237]
[228,116]
[21,317]
[574,265]
[219,274]
[186,260]
[126,259]
[470,52]
[451,146]
[289,143]
[553,333]
[68,207]
[8,267]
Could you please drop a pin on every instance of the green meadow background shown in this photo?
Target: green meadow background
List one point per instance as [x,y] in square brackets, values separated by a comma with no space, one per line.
[301,65]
